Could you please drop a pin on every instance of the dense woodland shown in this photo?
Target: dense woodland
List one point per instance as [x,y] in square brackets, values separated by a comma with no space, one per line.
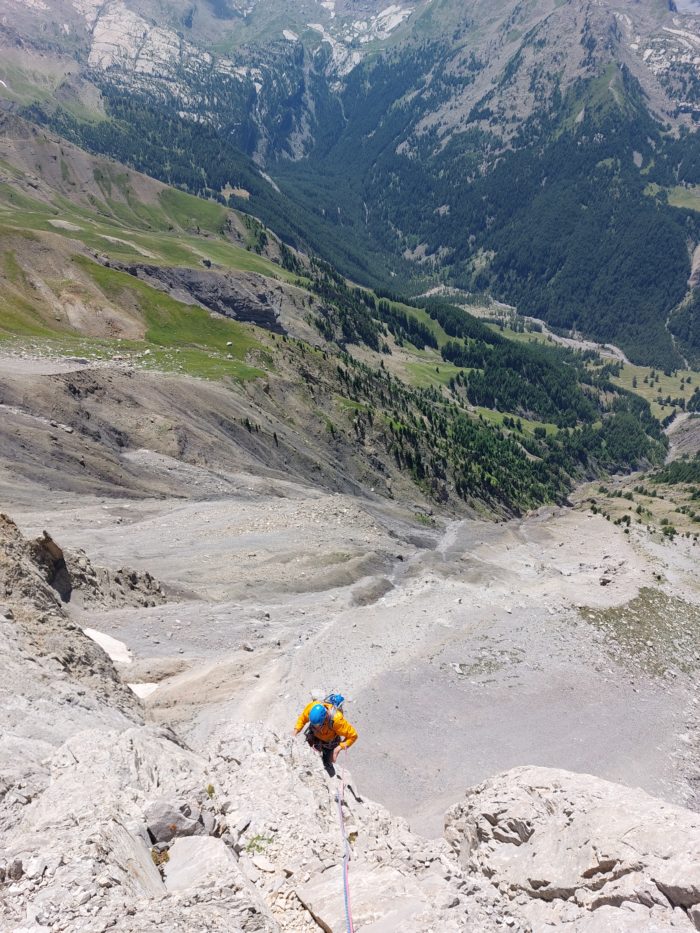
[601,427]
[685,326]
[679,471]
[431,435]
[561,225]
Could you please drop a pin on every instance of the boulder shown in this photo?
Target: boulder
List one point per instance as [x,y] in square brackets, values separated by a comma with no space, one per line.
[199,862]
[167,819]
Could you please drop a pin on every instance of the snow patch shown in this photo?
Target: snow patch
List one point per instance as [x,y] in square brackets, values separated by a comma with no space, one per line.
[143,690]
[115,649]
[290,36]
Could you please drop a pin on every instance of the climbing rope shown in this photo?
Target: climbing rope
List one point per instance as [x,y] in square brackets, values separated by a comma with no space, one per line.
[340,798]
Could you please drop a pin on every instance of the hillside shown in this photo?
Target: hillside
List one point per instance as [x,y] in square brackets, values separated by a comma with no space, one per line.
[199,809]
[307,371]
[545,155]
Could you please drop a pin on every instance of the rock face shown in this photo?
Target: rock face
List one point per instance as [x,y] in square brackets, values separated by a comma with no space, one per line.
[55,681]
[225,294]
[283,819]
[530,850]
[75,578]
[577,852]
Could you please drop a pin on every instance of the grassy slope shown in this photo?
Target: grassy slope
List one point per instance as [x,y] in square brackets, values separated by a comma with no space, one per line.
[678,196]
[182,337]
[662,387]
[177,230]
[177,337]
[111,211]
[661,509]
[113,218]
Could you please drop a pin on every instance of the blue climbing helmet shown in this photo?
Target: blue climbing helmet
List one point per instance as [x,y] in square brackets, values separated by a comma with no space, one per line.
[317,714]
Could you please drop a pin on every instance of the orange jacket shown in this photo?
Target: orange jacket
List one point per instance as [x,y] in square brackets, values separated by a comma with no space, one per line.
[339,727]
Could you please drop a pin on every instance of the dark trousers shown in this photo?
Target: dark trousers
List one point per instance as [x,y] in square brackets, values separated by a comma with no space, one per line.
[326,749]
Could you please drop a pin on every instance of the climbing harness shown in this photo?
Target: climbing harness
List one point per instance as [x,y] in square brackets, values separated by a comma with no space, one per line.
[340,798]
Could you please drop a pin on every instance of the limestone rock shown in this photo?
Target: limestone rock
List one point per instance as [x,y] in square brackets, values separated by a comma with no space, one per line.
[609,851]
[694,916]
[263,864]
[195,862]
[382,900]
[107,823]
[167,820]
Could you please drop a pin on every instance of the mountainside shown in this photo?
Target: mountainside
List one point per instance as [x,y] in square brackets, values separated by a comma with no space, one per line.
[307,372]
[349,346]
[251,418]
[545,154]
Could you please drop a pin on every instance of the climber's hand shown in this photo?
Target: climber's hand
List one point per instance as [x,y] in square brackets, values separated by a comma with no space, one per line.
[336,752]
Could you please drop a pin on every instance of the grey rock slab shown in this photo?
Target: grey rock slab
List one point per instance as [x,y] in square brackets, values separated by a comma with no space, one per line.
[36,867]
[198,861]
[167,819]
[629,918]
[132,858]
[383,900]
[556,837]
[679,878]
[262,863]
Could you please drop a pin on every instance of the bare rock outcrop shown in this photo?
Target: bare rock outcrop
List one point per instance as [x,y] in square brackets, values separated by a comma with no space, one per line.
[226,294]
[95,587]
[264,852]
[55,681]
[575,852]
[74,577]
[108,823]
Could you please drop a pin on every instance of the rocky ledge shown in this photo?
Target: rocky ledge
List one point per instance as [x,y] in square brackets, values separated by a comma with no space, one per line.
[573,852]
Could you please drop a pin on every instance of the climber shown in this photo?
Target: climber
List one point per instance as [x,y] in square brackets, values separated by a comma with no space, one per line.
[328,730]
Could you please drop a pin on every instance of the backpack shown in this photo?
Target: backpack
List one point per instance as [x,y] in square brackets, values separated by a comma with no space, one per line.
[336,700]
[333,703]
